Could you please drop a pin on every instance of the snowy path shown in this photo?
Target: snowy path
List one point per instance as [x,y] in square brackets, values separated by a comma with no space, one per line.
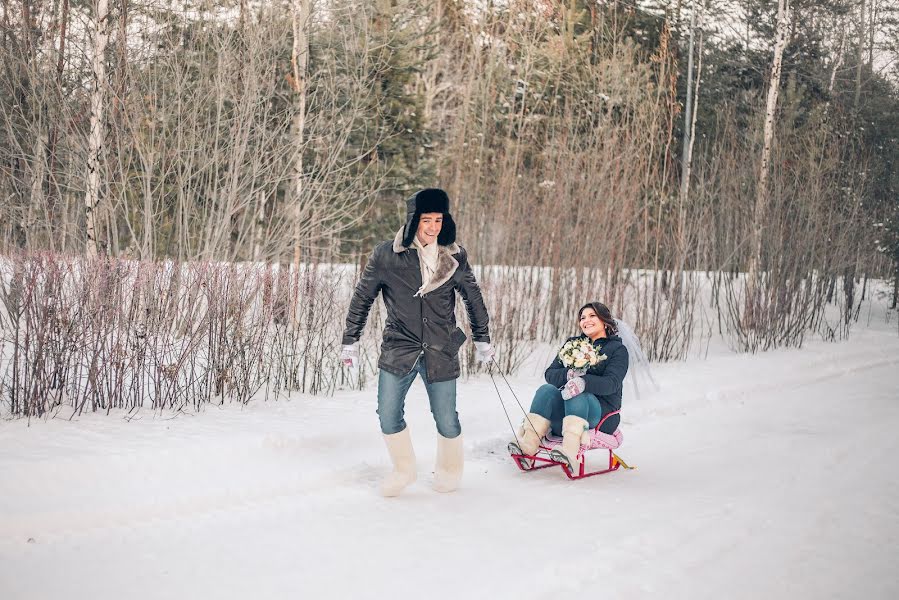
[758,476]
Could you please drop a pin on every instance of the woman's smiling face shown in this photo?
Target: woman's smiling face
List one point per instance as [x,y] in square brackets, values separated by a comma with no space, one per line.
[591,324]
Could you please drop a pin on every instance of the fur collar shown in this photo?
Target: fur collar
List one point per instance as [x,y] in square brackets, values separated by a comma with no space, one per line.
[446,264]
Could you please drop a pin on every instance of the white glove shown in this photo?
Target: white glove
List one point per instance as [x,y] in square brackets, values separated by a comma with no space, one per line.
[484,352]
[349,355]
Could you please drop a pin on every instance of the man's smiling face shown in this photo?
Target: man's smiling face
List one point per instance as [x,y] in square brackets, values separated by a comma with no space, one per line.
[429,226]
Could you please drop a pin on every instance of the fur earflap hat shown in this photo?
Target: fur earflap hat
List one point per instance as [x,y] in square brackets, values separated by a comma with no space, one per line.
[431,200]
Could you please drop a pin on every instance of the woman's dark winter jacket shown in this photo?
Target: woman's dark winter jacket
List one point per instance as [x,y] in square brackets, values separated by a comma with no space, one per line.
[417,323]
[604,380]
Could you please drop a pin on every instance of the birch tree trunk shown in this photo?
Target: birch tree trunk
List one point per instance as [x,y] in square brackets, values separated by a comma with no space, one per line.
[98,117]
[695,103]
[761,196]
[299,59]
[258,225]
[849,271]
[689,131]
[872,24]
[54,192]
[38,174]
[122,67]
[861,56]
[836,66]
[688,113]
[63,28]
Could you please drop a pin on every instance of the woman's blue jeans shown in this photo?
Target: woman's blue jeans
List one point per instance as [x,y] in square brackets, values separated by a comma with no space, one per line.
[549,404]
[392,390]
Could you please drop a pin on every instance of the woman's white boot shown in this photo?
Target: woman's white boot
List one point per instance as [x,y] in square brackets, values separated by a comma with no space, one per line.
[531,433]
[573,428]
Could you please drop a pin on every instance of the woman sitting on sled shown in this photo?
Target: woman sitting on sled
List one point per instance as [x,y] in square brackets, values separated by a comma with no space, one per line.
[575,398]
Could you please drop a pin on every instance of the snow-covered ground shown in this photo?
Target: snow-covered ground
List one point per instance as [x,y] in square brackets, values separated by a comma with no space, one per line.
[767,476]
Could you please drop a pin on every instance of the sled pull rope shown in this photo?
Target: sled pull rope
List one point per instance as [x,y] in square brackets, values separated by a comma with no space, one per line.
[500,396]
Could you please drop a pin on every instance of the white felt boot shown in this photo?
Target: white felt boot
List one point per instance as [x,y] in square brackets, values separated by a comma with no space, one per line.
[531,433]
[399,446]
[450,459]
[573,428]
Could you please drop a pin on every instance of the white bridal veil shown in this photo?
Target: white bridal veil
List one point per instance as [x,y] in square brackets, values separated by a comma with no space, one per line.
[638,369]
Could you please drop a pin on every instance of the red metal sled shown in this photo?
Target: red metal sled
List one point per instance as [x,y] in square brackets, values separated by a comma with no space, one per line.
[598,440]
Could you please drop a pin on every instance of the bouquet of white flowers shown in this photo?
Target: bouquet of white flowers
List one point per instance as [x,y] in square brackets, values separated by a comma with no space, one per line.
[580,354]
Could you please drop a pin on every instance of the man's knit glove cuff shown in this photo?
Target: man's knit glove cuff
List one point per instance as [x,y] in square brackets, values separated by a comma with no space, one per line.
[349,355]
[484,352]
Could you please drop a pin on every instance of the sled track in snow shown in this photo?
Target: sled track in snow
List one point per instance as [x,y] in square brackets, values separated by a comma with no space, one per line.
[187,507]
[819,370]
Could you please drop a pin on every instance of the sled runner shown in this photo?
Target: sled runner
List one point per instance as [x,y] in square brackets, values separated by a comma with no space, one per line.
[552,458]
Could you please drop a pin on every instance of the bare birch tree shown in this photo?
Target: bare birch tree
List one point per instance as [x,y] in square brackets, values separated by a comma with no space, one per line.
[761,196]
[97,123]
[860,54]
[689,110]
[690,117]
[299,60]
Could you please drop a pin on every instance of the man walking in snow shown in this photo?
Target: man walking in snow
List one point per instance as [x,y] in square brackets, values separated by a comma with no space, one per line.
[418,274]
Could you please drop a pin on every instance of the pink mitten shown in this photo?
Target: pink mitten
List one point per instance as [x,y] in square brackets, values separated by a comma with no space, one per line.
[572,373]
[574,387]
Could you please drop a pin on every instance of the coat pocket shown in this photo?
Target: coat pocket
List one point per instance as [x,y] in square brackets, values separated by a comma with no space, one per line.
[390,334]
[456,339]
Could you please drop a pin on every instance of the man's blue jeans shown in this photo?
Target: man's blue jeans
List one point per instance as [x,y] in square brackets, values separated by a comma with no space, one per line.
[392,391]
[548,403]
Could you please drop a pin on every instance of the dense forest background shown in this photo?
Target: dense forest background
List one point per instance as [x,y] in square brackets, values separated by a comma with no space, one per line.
[628,151]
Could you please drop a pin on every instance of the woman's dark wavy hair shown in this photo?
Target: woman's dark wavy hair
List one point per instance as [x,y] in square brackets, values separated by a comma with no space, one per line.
[605,315]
